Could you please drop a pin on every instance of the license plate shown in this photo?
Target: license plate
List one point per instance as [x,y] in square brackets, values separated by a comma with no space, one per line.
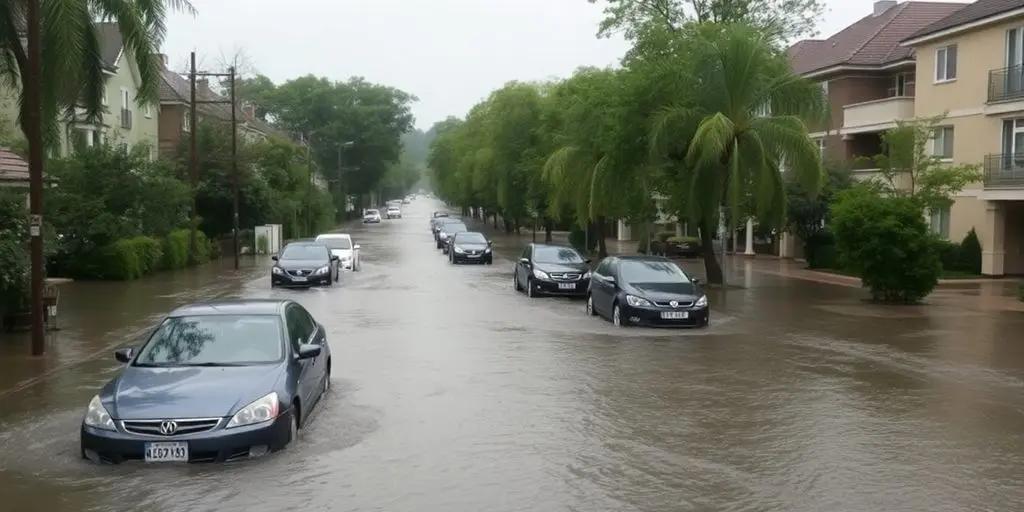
[299,279]
[566,286]
[473,255]
[675,315]
[166,452]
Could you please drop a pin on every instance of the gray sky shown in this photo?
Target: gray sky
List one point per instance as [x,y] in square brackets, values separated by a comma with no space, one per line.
[449,53]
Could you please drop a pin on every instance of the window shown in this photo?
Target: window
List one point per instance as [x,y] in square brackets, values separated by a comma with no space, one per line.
[821,146]
[124,99]
[557,255]
[942,144]
[945,63]
[308,252]
[105,100]
[604,268]
[214,339]
[902,85]
[186,122]
[336,242]
[940,222]
[147,110]
[300,326]
[652,272]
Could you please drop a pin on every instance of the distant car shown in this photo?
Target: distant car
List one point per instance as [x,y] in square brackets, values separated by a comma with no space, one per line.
[371,217]
[304,264]
[646,290]
[440,222]
[394,212]
[434,217]
[446,232]
[405,201]
[341,246]
[215,382]
[545,269]
[470,247]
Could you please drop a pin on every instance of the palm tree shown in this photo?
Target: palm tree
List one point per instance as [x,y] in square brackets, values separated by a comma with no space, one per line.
[726,133]
[72,64]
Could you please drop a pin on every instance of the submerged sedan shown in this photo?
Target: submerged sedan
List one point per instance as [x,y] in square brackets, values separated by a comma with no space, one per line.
[545,269]
[646,290]
[215,382]
[304,264]
[470,247]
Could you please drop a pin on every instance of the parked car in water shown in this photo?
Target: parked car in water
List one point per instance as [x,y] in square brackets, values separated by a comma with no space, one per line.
[394,212]
[215,382]
[340,245]
[304,264]
[444,236]
[646,290]
[434,219]
[371,217]
[546,269]
[440,222]
[470,247]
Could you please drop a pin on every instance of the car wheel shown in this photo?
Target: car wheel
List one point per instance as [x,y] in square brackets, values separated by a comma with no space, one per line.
[515,281]
[529,288]
[490,261]
[293,429]
[617,316]
[590,306]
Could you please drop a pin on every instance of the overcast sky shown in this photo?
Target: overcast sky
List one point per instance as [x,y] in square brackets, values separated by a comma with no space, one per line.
[449,53]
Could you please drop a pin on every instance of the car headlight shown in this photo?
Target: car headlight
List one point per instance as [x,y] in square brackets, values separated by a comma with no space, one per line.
[487,249]
[444,236]
[459,250]
[702,301]
[96,415]
[637,301]
[540,274]
[323,270]
[263,409]
[276,270]
[586,275]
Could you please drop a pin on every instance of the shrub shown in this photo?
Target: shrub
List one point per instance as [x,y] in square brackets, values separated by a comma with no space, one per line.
[176,246]
[970,253]
[581,241]
[262,244]
[950,255]
[819,251]
[131,258]
[885,241]
[664,236]
[677,239]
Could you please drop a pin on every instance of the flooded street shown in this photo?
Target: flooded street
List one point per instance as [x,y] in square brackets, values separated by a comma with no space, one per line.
[452,393]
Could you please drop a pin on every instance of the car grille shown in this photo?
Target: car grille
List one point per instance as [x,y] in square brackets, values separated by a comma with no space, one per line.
[565,277]
[299,273]
[180,428]
[679,304]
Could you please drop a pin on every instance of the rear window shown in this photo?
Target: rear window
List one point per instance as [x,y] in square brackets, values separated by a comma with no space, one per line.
[335,242]
[211,340]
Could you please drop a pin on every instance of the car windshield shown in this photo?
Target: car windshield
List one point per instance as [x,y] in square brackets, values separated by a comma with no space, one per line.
[556,255]
[392,209]
[471,238]
[454,228]
[651,272]
[440,214]
[336,242]
[372,212]
[214,340]
[304,252]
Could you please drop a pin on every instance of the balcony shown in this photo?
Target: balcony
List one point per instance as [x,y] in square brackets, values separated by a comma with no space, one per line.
[1006,84]
[1004,171]
[126,119]
[877,115]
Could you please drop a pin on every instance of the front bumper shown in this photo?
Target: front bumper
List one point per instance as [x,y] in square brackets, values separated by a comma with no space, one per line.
[373,220]
[651,316]
[552,287]
[394,216]
[218,445]
[485,257]
[292,281]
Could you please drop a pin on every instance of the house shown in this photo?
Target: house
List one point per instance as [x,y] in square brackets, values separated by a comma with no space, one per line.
[175,111]
[870,80]
[972,68]
[13,170]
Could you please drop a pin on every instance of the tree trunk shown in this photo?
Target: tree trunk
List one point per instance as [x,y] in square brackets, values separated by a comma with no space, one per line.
[602,247]
[508,225]
[712,267]
[494,220]
[547,230]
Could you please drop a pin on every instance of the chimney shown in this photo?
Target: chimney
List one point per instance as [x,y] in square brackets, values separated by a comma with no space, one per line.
[883,5]
[203,86]
[248,111]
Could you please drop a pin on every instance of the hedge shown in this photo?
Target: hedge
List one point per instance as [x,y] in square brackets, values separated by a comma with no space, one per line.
[132,258]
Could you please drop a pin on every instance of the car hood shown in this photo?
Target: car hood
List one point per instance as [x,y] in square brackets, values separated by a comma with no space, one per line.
[576,268]
[472,247]
[301,264]
[666,291]
[141,393]
[342,253]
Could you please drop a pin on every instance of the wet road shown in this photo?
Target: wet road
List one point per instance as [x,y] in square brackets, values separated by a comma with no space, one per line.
[451,393]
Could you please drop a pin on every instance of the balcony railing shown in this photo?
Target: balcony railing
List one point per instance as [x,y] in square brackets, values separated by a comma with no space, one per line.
[126,119]
[1006,84]
[1004,171]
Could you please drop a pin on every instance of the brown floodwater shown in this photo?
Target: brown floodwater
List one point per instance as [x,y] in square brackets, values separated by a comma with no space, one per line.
[453,393]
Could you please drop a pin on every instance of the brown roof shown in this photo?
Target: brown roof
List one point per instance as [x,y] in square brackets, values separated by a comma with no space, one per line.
[874,40]
[977,11]
[174,88]
[12,167]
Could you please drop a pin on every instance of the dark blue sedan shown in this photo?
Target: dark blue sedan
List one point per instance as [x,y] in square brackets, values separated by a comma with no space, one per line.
[216,381]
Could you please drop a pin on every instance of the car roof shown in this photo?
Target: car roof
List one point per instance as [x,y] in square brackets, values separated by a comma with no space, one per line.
[641,257]
[232,307]
[333,235]
[310,243]
[556,246]
[471,233]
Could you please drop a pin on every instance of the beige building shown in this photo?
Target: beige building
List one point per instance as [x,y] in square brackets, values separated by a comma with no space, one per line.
[970,66]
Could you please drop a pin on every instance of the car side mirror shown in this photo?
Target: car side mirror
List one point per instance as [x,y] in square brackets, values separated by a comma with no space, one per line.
[490,243]
[335,257]
[274,258]
[587,260]
[524,261]
[308,351]
[356,247]
[611,280]
[696,281]
[124,355]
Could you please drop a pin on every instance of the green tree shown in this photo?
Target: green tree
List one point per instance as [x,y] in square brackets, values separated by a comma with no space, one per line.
[807,213]
[71,57]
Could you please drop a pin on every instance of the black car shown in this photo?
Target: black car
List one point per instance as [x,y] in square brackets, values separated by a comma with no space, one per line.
[444,235]
[215,382]
[304,264]
[469,247]
[436,224]
[545,269]
[646,290]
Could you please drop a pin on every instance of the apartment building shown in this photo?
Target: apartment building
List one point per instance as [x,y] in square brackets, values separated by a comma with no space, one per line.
[971,67]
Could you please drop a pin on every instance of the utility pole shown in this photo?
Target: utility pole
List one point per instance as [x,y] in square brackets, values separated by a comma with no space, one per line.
[34,133]
[194,160]
[309,186]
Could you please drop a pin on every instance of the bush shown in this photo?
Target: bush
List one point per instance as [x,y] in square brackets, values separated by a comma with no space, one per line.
[131,258]
[176,246]
[950,255]
[664,236]
[263,244]
[677,239]
[885,241]
[819,250]
[970,253]
[581,241]
[14,260]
